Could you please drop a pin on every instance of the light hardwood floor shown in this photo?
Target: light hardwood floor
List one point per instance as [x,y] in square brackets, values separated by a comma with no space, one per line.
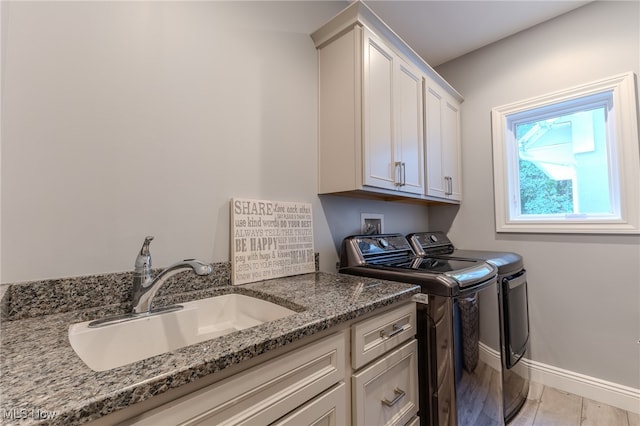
[547,406]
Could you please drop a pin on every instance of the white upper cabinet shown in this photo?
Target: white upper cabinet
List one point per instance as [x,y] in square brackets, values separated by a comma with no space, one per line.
[373,132]
[442,143]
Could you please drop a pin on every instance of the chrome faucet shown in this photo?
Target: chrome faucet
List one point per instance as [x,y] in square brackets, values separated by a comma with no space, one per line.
[145,286]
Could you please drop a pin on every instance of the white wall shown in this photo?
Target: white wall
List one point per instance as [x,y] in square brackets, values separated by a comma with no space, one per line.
[126,119]
[584,290]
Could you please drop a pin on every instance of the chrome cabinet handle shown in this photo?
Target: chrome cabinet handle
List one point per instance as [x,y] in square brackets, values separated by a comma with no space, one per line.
[396,330]
[404,173]
[399,394]
[449,185]
[401,173]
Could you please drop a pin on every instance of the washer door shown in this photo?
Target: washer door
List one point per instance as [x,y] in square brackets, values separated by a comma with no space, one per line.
[516,316]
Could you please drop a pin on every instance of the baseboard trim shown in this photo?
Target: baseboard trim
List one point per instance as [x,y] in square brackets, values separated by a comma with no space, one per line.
[614,394]
[490,356]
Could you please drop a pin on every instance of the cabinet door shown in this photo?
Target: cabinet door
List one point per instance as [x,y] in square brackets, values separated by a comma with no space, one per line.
[379,153]
[435,172]
[386,392]
[409,128]
[443,143]
[328,409]
[451,146]
[393,120]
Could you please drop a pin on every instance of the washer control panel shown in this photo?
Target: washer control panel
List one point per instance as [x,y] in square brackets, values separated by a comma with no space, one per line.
[383,243]
[430,243]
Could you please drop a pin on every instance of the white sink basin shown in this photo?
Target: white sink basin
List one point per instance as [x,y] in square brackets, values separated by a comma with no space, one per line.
[115,345]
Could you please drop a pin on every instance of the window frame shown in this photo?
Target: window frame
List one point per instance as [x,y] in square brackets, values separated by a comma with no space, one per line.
[624,162]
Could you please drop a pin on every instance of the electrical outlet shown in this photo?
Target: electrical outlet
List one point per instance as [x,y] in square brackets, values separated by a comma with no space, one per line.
[371,223]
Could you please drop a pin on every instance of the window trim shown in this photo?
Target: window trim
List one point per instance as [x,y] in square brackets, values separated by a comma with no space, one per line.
[625,162]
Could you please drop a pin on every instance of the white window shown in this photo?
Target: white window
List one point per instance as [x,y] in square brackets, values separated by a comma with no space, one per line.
[569,161]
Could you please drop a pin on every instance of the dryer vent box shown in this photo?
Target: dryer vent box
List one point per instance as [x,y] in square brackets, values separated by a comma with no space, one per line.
[371,223]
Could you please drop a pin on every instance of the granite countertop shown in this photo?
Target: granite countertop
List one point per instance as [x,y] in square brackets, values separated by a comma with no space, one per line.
[42,374]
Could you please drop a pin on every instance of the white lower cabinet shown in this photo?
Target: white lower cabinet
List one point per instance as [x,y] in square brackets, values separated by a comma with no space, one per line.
[363,374]
[385,391]
[262,394]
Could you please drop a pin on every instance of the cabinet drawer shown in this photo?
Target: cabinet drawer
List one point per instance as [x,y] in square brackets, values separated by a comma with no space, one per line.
[386,392]
[262,394]
[328,409]
[375,336]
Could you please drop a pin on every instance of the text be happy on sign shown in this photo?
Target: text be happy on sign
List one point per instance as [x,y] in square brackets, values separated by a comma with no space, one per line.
[270,239]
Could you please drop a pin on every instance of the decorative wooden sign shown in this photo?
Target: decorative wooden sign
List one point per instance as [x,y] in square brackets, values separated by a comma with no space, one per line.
[270,239]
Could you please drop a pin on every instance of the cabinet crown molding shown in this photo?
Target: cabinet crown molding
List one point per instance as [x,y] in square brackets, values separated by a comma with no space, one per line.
[358,13]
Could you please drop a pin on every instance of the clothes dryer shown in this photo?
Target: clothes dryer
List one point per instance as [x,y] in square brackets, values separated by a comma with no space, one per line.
[512,343]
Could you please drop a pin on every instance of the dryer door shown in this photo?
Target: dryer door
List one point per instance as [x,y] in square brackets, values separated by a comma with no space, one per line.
[516,316]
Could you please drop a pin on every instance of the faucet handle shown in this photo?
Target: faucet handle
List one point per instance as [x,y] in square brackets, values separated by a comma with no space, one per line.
[144,251]
[143,260]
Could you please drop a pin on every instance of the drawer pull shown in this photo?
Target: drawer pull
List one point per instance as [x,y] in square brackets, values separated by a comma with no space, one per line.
[399,394]
[396,330]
